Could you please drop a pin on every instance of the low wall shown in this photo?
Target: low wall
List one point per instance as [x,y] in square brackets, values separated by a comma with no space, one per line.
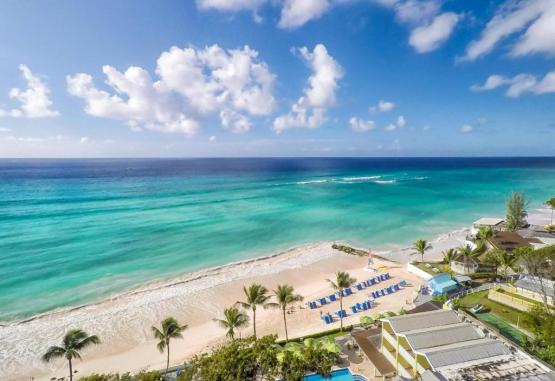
[508,300]
[416,271]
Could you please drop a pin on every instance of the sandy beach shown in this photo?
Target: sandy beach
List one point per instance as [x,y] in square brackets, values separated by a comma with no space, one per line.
[123,322]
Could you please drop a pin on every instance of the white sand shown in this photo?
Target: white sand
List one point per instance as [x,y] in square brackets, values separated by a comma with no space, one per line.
[123,322]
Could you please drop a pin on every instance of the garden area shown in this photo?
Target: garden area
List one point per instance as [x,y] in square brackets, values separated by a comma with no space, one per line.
[503,318]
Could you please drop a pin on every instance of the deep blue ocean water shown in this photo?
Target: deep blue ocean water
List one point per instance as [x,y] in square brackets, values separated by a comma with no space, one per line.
[76,231]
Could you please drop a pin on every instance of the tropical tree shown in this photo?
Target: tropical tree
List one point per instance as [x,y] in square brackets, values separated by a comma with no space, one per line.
[486,233]
[551,204]
[448,257]
[492,259]
[421,246]
[74,341]
[255,295]
[467,253]
[342,280]
[285,295]
[516,211]
[170,329]
[506,260]
[233,319]
[367,321]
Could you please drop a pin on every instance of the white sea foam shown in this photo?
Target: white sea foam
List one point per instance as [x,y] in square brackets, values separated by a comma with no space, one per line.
[125,318]
[305,182]
[385,181]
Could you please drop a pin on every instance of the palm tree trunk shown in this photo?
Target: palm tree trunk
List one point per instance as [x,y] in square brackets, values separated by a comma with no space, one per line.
[254,321]
[70,370]
[285,324]
[341,309]
[168,360]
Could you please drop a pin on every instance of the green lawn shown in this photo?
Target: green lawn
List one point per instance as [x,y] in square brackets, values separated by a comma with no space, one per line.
[506,313]
[503,312]
[443,268]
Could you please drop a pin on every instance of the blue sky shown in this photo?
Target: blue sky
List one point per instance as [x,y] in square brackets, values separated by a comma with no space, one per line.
[277,78]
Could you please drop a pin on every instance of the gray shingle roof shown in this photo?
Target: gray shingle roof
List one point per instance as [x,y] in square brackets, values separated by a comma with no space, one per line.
[442,335]
[532,283]
[457,353]
[422,320]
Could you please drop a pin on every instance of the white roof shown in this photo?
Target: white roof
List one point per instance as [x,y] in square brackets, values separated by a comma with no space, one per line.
[442,335]
[488,221]
[466,351]
[423,320]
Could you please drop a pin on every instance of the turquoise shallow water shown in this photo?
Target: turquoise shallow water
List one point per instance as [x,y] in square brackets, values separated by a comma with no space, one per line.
[75,231]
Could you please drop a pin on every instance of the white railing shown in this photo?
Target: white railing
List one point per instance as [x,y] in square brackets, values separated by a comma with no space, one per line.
[462,293]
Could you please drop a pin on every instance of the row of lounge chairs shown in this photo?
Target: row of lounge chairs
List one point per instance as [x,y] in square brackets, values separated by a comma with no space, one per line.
[388,290]
[348,291]
[366,305]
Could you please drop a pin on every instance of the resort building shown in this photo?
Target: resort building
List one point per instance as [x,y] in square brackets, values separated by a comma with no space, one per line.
[438,345]
[538,236]
[442,284]
[487,222]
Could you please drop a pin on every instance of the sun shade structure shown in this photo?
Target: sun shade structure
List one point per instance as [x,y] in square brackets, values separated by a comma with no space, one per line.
[442,284]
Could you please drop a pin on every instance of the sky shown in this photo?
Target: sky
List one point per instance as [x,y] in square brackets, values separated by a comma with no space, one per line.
[257,78]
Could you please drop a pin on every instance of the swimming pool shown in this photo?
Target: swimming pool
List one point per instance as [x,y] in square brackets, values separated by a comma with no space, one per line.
[336,375]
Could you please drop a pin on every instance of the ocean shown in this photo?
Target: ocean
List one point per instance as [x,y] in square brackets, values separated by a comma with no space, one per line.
[78,231]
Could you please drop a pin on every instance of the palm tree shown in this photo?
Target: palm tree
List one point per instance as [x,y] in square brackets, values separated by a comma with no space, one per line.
[285,295]
[256,295]
[468,253]
[551,204]
[486,233]
[342,280]
[74,341]
[170,330]
[448,257]
[421,246]
[506,260]
[233,319]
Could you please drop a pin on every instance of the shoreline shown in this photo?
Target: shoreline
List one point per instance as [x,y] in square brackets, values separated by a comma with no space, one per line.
[124,320]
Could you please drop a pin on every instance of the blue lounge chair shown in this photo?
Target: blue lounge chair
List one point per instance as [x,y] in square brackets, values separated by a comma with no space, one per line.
[359,287]
[332,298]
[382,292]
[349,291]
[396,287]
[323,301]
[312,305]
[354,309]
[403,282]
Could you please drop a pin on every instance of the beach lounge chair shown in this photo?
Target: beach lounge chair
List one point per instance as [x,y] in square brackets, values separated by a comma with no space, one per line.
[354,309]
[349,291]
[332,298]
[341,313]
[323,301]
[382,277]
[382,292]
[312,305]
[396,287]
[359,287]
[403,282]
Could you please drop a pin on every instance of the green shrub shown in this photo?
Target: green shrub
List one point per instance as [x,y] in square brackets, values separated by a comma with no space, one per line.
[481,275]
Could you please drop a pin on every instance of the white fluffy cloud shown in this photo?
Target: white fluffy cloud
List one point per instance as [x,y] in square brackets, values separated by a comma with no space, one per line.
[429,37]
[399,123]
[466,128]
[360,125]
[193,84]
[383,106]
[296,13]
[534,19]
[519,84]
[34,100]
[310,109]
[430,29]
[230,5]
